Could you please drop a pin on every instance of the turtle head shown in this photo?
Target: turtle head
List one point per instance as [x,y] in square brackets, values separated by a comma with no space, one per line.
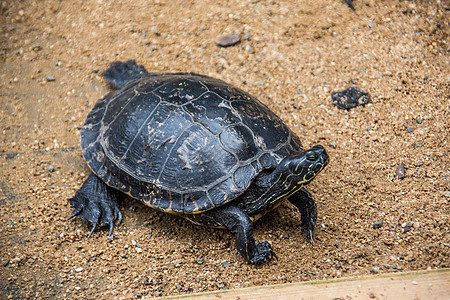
[300,168]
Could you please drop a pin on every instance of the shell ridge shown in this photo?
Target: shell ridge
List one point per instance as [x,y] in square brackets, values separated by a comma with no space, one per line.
[115,96]
[138,132]
[170,153]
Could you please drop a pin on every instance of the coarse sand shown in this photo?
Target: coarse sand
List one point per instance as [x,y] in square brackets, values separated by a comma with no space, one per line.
[292,56]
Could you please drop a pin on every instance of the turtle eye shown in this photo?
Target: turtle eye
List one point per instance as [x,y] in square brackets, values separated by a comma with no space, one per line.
[312,157]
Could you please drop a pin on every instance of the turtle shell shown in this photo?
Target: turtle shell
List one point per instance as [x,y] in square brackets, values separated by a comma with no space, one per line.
[183,143]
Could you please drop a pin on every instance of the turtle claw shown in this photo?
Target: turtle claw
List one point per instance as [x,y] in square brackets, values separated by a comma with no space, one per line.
[111,227]
[94,225]
[75,212]
[119,217]
[96,203]
[264,253]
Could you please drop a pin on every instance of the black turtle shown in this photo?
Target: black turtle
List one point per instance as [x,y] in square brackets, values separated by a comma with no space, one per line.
[193,146]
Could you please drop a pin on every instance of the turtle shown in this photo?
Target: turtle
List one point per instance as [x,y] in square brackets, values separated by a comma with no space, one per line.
[193,146]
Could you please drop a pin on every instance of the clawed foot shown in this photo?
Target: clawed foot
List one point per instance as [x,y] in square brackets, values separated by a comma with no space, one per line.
[96,203]
[308,224]
[308,211]
[264,253]
[120,73]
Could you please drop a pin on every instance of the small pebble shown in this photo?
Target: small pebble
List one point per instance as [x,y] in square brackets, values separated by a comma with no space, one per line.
[221,286]
[447,193]
[50,78]
[148,236]
[377,224]
[400,171]
[36,47]
[179,287]
[200,261]
[371,295]
[228,40]
[415,282]
[419,120]
[247,37]
[409,129]
[137,294]
[285,236]
[333,144]
[225,264]
[138,250]
[177,263]
[78,270]
[51,168]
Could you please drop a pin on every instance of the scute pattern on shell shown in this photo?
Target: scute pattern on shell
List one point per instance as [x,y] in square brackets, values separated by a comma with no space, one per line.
[183,143]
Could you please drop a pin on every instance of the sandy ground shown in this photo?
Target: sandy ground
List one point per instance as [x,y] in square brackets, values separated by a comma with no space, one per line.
[293,54]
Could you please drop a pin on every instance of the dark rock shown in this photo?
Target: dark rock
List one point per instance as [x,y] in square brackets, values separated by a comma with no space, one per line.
[377,224]
[350,98]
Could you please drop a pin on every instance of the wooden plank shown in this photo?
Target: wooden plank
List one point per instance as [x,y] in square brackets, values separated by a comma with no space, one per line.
[427,285]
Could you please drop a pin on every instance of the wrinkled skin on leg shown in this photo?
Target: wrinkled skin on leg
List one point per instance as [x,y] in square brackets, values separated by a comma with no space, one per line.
[96,203]
[307,208]
[239,223]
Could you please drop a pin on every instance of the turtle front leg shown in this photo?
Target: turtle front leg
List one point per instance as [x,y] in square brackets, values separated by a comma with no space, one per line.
[96,203]
[307,208]
[241,226]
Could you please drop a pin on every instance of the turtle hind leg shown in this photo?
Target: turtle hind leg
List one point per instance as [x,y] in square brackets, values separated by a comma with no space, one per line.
[120,73]
[307,208]
[238,222]
[96,203]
